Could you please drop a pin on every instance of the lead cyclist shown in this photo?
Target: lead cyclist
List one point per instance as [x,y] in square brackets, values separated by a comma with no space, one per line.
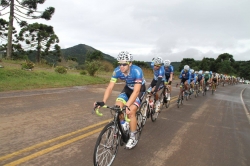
[131,95]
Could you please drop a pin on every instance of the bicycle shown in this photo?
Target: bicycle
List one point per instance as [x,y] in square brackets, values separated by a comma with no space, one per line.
[182,95]
[112,135]
[196,89]
[213,87]
[205,88]
[163,96]
[147,109]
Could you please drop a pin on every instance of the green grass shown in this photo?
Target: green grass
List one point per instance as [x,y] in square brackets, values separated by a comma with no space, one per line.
[17,79]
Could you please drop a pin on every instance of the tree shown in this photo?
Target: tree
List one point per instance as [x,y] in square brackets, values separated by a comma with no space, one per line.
[224,57]
[244,70]
[141,64]
[207,64]
[187,61]
[95,55]
[39,37]
[226,68]
[3,29]
[17,11]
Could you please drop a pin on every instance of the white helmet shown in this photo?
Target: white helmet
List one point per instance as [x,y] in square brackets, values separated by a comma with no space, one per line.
[186,67]
[124,56]
[192,70]
[157,61]
[167,63]
[206,72]
[200,72]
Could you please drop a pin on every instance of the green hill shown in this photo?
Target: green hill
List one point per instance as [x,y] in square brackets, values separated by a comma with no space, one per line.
[79,52]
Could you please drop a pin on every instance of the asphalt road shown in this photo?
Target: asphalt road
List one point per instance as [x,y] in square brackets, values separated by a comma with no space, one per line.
[55,127]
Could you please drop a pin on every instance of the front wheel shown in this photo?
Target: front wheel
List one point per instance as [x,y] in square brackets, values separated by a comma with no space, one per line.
[167,103]
[144,111]
[106,146]
[139,126]
[154,114]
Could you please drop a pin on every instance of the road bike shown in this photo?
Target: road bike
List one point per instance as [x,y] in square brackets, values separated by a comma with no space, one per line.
[147,109]
[182,95]
[213,87]
[196,89]
[112,135]
[205,88]
[164,95]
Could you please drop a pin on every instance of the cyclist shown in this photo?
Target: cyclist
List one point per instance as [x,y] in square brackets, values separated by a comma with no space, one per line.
[206,78]
[214,80]
[193,80]
[185,77]
[200,79]
[131,95]
[158,81]
[169,71]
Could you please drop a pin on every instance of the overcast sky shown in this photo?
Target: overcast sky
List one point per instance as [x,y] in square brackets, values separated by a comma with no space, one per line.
[172,29]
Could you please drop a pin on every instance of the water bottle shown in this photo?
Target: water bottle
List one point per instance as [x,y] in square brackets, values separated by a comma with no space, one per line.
[125,125]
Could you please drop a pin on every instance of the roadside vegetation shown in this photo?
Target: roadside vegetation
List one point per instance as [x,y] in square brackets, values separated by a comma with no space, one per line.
[13,77]
[25,75]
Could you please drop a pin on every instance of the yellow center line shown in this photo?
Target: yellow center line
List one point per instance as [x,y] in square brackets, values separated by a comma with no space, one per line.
[19,161]
[42,152]
[50,141]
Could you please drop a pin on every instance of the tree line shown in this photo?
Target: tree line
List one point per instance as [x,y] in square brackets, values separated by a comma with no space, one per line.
[223,64]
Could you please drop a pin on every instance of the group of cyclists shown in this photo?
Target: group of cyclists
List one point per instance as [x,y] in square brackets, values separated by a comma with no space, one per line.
[134,90]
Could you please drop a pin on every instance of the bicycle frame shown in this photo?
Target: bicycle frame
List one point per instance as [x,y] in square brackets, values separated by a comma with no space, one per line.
[116,120]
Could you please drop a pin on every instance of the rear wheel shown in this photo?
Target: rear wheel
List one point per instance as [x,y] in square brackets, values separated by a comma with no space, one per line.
[106,146]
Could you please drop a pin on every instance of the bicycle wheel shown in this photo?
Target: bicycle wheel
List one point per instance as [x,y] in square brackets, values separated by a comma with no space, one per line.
[106,146]
[139,124]
[178,103]
[161,99]
[154,114]
[167,103]
[144,111]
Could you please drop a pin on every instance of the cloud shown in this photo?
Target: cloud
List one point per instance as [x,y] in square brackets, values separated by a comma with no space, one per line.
[171,29]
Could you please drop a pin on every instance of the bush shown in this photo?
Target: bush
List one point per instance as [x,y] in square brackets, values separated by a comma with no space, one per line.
[28,65]
[83,72]
[61,70]
[107,66]
[92,67]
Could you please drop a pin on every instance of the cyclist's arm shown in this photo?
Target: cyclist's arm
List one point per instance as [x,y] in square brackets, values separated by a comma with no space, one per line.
[189,78]
[158,84]
[171,76]
[134,95]
[108,91]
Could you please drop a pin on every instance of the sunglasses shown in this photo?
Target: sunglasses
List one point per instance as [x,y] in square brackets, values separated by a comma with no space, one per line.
[123,64]
[157,65]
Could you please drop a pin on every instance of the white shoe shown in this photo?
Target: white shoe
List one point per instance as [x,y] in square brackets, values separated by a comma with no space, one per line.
[131,143]
[157,105]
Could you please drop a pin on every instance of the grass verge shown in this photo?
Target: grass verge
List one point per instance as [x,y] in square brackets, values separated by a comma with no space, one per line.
[17,79]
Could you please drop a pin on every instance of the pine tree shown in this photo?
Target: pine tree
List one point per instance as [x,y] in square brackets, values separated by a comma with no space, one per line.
[39,37]
[27,9]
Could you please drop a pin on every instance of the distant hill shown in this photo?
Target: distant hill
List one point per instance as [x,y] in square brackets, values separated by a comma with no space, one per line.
[79,52]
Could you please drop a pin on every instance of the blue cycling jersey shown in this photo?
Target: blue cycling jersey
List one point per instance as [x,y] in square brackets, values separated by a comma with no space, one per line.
[199,76]
[135,76]
[158,73]
[193,76]
[168,71]
[185,75]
